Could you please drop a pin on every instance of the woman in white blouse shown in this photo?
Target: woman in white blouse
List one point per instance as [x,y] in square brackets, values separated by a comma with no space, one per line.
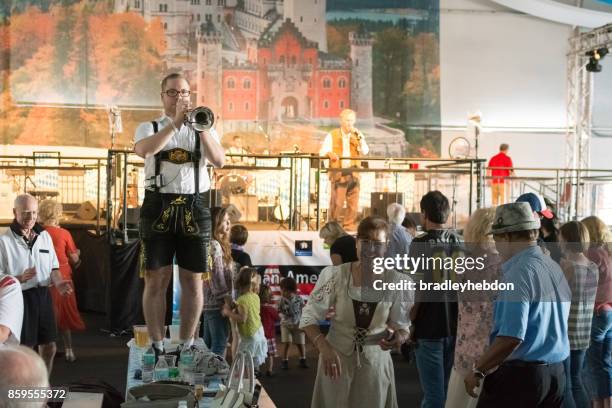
[355,366]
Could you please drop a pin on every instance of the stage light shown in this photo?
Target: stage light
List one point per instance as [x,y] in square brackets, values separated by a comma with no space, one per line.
[602,52]
[594,57]
[593,65]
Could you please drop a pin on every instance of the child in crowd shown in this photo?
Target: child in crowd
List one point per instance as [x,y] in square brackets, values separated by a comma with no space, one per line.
[290,307]
[238,237]
[269,317]
[246,314]
[218,290]
[235,336]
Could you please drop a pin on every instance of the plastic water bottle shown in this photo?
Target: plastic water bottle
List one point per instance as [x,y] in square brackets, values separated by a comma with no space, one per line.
[148,365]
[161,370]
[186,365]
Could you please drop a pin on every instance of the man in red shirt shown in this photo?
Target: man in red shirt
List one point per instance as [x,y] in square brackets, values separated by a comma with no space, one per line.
[498,176]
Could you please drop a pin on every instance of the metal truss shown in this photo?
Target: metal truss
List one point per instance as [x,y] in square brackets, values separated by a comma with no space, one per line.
[579,115]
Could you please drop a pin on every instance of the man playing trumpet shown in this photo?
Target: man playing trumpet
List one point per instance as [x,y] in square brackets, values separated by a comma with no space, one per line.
[175,216]
[346,141]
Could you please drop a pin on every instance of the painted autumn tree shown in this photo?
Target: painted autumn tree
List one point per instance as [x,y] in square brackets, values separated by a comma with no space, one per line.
[337,39]
[423,87]
[82,56]
[391,66]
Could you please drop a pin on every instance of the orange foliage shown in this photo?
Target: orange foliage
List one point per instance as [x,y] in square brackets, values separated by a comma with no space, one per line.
[81,54]
[28,32]
[337,39]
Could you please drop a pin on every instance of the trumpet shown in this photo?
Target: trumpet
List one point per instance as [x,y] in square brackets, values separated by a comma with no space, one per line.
[200,119]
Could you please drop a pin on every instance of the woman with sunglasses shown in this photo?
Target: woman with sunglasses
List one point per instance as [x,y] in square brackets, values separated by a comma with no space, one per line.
[355,366]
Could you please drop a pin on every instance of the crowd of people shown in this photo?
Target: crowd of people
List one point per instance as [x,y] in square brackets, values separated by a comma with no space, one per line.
[546,342]
[551,336]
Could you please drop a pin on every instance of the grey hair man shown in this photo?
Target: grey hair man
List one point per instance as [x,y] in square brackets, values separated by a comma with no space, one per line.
[22,368]
[399,238]
[27,253]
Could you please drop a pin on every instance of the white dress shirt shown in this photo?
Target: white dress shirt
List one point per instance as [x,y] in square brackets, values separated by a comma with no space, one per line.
[177,178]
[16,257]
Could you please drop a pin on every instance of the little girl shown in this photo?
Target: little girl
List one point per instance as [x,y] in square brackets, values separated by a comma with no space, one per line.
[246,314]
[269,317]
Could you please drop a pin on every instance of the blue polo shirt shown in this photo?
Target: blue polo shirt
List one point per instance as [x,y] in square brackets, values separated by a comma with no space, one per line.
[536,311]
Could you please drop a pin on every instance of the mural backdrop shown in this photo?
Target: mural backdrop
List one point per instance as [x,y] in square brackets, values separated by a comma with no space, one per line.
[275,72]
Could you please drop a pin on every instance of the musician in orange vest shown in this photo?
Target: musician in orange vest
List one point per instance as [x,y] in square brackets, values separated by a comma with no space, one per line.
[346,141]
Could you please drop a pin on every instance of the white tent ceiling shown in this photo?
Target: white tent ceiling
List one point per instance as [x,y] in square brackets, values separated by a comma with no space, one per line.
[562,12]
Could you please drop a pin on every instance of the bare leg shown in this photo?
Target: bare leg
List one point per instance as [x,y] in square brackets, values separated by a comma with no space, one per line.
[285,350]
[47,353]
[192,301]
[302,349]
[270,363]
[67,339]
[154,300]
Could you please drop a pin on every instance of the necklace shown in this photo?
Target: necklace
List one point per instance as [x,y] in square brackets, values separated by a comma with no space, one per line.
[364,309]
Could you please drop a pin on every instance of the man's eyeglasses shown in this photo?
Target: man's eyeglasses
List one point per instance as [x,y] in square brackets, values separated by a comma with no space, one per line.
[173,92]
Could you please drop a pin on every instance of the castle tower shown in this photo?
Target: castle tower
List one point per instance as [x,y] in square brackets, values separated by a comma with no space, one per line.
[309,18]
[208,70]
[361,78]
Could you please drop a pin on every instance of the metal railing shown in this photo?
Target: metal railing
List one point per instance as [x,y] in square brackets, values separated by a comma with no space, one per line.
[292,189]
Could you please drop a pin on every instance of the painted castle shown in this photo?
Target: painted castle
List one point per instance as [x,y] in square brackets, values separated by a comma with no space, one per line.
[263,61]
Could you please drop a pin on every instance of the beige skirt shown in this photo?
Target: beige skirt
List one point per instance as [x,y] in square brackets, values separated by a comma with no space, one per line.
[372,385]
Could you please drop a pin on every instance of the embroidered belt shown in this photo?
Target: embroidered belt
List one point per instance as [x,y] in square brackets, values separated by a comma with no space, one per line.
[178,156]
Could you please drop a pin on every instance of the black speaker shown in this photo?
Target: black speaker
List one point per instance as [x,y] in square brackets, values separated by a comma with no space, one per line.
[380,201]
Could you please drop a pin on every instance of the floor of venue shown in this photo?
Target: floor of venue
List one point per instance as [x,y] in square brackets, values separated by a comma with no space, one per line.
[105,358]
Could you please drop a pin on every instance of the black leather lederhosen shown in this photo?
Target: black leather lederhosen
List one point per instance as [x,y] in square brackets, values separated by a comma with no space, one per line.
[165,215]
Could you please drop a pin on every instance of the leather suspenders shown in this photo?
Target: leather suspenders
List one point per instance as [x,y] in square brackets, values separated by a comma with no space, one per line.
[195,159]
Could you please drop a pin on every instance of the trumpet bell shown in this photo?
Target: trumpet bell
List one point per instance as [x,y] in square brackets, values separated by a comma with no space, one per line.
[201,118]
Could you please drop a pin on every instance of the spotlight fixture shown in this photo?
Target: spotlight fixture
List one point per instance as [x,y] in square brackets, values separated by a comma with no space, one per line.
[594,57]
[593,65]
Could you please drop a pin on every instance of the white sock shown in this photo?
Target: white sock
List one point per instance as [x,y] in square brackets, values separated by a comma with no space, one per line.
[187,343]
[159,345]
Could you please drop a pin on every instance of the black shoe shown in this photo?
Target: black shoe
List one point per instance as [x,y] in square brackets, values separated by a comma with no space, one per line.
[179,349]
[303,363]
[285,364]
[157,352]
